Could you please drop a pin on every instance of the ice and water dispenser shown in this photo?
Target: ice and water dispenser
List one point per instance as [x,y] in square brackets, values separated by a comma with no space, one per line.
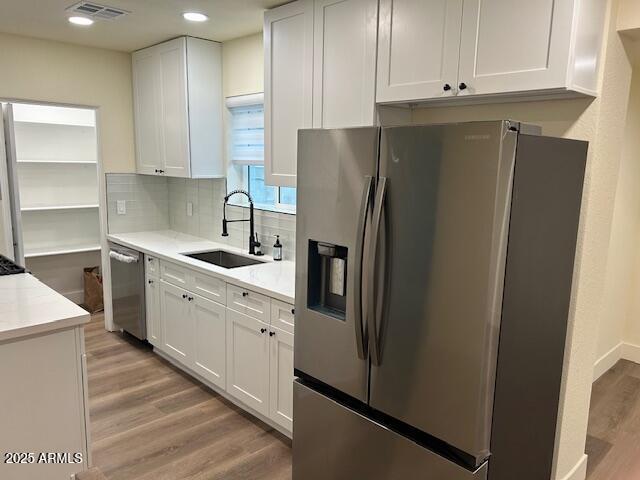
[327,279]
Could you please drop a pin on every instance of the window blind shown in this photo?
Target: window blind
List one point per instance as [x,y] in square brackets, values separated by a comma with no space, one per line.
[247,129]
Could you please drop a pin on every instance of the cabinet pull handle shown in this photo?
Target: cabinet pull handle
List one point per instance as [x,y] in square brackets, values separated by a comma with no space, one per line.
[462,86]
[262,330]
[245,294]
[184,295]
[271,334]
[190,299]
[150,282]
[446,87]
[150,260]
[293,311]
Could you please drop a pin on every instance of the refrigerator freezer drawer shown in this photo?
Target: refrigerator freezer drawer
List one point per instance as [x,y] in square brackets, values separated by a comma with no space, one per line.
[333,442]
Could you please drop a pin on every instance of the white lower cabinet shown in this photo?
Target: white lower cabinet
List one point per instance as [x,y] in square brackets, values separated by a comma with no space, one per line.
[247,353]
[248,360]
[152,299]
[209,324]
[177,324]
[281,377]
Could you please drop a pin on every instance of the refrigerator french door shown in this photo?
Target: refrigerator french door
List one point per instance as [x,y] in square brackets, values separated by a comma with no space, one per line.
[402,242]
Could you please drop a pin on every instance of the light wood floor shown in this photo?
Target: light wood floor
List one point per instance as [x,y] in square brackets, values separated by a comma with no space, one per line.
[613,442]
[149,421]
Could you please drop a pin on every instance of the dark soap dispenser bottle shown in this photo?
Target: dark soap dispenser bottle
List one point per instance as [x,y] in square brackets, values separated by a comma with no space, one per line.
[277,249]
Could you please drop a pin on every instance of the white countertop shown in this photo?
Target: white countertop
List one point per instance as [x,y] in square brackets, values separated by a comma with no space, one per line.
[274,279]
[28,307]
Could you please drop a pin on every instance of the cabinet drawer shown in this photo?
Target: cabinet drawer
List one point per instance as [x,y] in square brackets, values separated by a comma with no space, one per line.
[174,274]
[151,265]
[250,303]
[208,287]
[282,315]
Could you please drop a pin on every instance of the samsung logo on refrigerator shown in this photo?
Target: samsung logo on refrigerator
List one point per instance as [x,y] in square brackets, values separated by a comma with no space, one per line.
[477,137]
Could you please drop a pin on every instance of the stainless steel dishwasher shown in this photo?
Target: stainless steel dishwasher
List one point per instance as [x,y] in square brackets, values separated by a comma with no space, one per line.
[127,290]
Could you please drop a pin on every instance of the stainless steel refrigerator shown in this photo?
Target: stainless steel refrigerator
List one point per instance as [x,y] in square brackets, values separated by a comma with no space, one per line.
[433,279]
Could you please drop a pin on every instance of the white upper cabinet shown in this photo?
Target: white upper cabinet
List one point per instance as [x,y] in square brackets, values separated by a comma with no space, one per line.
[288,85]
[320,71]
[177,89]
[146,92]
[488,47]
[174,119]
[344,57]
[418,49]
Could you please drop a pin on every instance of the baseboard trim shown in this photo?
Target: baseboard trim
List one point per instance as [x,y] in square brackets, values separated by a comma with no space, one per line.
[76,296]
[622,351]
[579,472]
[631,352]
[608,360]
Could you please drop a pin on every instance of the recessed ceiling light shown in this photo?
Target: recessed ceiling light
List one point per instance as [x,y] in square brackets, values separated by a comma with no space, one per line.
[195,17]
[84,21]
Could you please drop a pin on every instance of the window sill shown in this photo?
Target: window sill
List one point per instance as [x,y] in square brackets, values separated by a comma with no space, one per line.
[266,208]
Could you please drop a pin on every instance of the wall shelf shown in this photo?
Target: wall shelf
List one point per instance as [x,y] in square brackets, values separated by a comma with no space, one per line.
[57,170]
[58,207]
[62,251]
[58,162]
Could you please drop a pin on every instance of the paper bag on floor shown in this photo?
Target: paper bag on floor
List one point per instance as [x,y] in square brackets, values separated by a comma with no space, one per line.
[93,298]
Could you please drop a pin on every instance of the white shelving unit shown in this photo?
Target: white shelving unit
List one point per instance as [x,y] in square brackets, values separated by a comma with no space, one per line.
[56,158]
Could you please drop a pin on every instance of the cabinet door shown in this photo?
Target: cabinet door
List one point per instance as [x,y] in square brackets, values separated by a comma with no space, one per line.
[248,361]
[281,377]
[146,99]
[152,299]
[344,56]
[514,45]
[209,353]
[173,100]
[176,322]
[288,86]
[418,49]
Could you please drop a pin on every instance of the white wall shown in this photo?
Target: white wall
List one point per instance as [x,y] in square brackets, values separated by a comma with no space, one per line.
[600,122]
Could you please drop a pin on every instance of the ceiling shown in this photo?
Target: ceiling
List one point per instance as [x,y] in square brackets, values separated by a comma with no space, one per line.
[150,21]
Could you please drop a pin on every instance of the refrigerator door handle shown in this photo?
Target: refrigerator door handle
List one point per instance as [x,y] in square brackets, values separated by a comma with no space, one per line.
[372,317]
[361,340]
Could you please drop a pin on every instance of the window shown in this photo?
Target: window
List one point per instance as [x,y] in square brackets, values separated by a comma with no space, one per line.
[246,157]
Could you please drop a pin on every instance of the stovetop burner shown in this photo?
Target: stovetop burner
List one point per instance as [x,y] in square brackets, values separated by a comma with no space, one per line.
[7,267]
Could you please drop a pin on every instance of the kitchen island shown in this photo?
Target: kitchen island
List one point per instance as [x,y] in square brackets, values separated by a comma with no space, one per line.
[44,409]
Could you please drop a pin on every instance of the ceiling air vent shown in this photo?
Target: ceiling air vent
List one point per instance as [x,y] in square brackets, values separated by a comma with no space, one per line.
[98,11]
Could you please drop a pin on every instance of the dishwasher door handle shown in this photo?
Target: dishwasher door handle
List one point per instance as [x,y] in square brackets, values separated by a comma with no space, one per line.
[121,257]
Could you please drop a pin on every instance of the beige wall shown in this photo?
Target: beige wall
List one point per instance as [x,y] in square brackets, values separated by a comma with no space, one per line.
[629,15]
[600,122]
[243,66]
[628,213]
[621,313]
[47,71]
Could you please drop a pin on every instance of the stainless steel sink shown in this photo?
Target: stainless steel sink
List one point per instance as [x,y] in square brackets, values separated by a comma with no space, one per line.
[224,259]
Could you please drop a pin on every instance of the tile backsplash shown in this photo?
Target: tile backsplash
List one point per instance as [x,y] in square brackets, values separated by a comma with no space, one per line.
[169,210]
[146,203]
